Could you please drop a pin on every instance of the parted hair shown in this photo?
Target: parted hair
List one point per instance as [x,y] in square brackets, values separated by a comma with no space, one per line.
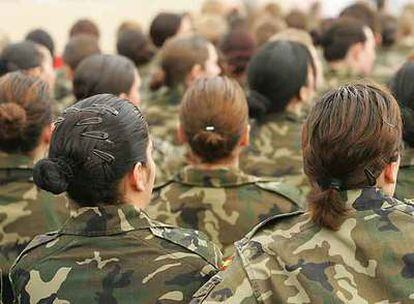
[214,114]
[95,143]
[350,135]
[25,109]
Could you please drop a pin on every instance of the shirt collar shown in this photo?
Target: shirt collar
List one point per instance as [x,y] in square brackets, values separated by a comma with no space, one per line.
[107,220]
[368,198]
[215,178]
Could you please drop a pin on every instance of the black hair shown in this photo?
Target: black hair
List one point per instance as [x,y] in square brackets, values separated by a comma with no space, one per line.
[78,48]
[134,45]
[20,56]
[96,142]
[99,74]
[340,37]
[402,86]
[42,37]
[164,26]
[275,75]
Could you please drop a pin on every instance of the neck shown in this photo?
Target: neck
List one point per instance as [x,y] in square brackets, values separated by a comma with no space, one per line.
[295,106]
[341,65]
[38,153]
[229,162]
[138,200]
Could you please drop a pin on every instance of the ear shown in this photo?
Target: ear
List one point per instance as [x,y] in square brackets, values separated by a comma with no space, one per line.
[355,51]
[391,172]
[47,134]
[138,177]
[196,72]
[182,138]
[245,137]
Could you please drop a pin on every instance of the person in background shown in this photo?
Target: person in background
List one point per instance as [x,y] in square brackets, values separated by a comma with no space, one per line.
[264,28]
[237,47]
[349,49]
[355,244]
[84,27]
[168,25]
[76,50]
[402,87]
[128,25]
[109,250]
[25,131]
[42,37]
[111,74]
[298,20]
[281,80]
[4,40]
[212,194]
[30,58]
[211,27]
[134,45]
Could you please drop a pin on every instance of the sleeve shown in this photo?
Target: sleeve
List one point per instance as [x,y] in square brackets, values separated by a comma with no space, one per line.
[231,287]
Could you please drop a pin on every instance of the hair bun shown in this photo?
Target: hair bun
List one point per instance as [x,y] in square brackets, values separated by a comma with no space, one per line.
[53,175]
[12,120]
[259,104]
[157,80]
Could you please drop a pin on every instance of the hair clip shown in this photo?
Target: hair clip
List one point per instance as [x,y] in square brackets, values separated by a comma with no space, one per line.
[89,121]
[91,110]
[389,124]
[107,108]
[71,109]
[58,120]
[370,177]
[109,158]
[96,135]
[210,128]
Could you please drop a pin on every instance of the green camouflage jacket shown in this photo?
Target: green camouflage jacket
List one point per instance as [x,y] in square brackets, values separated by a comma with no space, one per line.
[24,210]
[275,149]
[405,181]
[289,259]
[336,78]
[114,254]
[223,203]
[63,92]
[388,61]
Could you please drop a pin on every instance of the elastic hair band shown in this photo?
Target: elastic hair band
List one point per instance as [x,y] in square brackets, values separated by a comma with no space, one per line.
[332,183]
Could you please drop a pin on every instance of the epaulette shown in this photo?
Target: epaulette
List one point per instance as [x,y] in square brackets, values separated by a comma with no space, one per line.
[262,224]
[9,175]
[291,193]
[37,241]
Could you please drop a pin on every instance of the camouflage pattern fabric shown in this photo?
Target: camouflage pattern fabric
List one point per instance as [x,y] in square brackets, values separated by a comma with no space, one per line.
[24,210]
[405,181]
[388,61]
[275,149]
[114,254]
[336,78]
[223,203]
[289,259]
[63,91]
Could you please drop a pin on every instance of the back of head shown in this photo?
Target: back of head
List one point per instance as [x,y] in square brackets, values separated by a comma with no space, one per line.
[94,145]
[213,115]
[402,87]
[266,27]
[134,45]
[214,7]
[238,46]
[42,37]
[25,110]
[275,75]
[389,30]
[128,26]
[340,37]
[163,27]
[363,13]
[297,19]
[20,56]
[339,156]
[84,27]
[99,74]
[79,48]
[211,27]
[178,56]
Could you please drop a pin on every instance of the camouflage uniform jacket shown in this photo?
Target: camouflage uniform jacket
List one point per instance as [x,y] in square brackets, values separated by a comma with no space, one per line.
[114,254]
[275,149]
[24,210]
[63,91]
[289,259]
[223,203]
[405,181]
[388,61]
[336,78]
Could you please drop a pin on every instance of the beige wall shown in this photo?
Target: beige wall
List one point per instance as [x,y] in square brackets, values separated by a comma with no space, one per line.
[17,17]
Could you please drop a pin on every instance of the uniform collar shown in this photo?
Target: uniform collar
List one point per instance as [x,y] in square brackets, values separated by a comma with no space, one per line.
[107,220]
[15,161]
[368,198]
[216,178]
[169,96]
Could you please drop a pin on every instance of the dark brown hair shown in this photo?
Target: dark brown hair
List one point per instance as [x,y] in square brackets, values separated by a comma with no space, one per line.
[365,14]
[134,45]
[214,114]
[25,109]
[78,48]
[84,26]
[164,26]
[348,138]
[178,57]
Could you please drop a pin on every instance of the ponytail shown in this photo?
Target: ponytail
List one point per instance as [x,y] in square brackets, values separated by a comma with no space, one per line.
[157,80]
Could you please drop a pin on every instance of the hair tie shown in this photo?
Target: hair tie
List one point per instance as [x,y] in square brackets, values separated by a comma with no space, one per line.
[66,166]
[332,183]
[210,128]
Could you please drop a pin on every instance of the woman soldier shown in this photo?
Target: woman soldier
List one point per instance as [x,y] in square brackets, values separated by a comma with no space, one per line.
[25,131]
[355,244]
[109,250]
[212,194]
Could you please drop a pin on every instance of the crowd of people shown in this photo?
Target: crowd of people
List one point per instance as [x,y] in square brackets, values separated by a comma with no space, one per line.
[232,155]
